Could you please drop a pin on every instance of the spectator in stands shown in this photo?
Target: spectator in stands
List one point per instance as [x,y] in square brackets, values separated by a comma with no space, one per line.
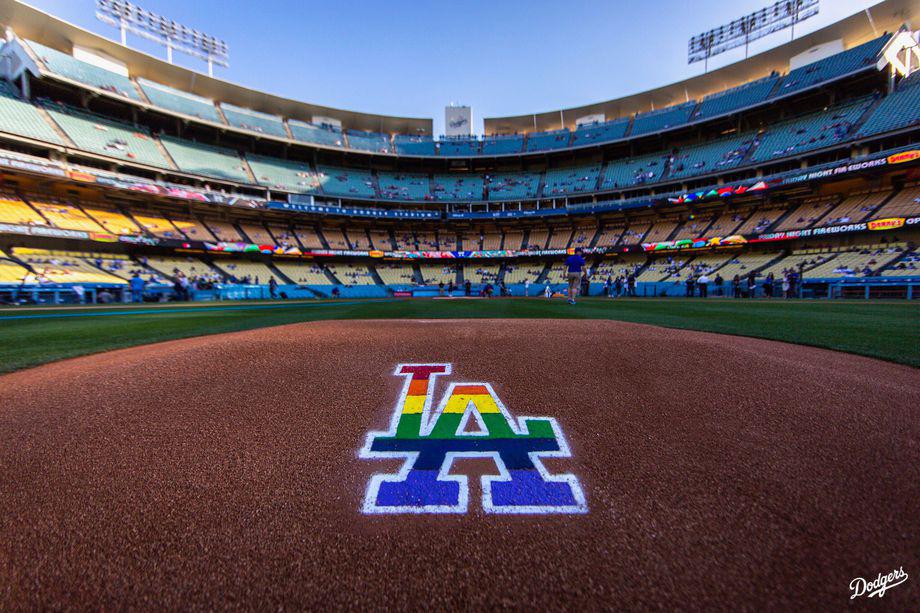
[574,265]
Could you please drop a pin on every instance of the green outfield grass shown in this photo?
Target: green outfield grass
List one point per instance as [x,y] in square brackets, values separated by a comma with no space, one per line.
[889,330]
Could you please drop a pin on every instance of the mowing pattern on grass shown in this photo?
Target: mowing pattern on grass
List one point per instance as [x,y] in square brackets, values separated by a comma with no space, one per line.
[889,331]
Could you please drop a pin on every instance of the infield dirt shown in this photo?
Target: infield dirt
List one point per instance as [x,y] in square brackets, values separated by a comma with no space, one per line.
[720,473]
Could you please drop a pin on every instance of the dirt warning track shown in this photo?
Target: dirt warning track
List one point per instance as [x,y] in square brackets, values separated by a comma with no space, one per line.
[719,473]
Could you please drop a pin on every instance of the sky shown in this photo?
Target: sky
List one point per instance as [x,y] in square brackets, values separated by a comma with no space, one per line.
[413,57]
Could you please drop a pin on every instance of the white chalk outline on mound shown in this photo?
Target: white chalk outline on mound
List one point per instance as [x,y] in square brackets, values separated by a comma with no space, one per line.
[427,424]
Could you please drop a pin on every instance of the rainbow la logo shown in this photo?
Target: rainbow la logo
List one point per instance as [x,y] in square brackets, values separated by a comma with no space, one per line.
[429,441]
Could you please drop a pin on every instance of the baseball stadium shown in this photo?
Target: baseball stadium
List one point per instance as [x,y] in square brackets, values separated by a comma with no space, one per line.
[657,352]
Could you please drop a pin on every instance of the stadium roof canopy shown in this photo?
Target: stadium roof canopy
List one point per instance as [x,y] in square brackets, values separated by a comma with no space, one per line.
[31,23]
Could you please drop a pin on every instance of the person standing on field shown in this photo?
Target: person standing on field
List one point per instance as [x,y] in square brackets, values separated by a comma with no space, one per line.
[574,265]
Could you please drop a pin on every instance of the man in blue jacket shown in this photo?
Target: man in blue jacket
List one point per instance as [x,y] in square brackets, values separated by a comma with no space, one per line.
[574,265]
[137,288]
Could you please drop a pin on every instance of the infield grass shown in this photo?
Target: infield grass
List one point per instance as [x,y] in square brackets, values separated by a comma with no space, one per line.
[885,330]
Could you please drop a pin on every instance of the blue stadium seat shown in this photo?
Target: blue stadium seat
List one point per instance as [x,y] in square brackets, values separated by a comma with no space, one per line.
[858,58]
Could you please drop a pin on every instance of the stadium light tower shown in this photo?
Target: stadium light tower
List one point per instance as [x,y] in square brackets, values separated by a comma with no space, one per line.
[129,17]
[741,31]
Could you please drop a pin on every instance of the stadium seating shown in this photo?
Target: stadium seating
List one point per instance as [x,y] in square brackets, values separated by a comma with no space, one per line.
[477,272]
[724,225]
[10,272]
[760,221]
[514,240]
[404,240]
[452,187]
[566,181]
[286,175]
[660,231]
[735,98]
[246,271]
[20,117]
[335,238]
[591,133]
[157,225]
[560,238]
[223,231]
[833,67]
[634,233]
[369,141]
[545,141]
[67,66]
[64,267]
[380,239]
[744,264]
[855,208]
[859,261]
[447,239]
[662,119]
[693,228]
[899,110]
[610,236]
[806,214]
[318,135]
[107,137]
[179,101]
[65,215]
[903,204]
[303,272]
[513,185]
[427,240]
[283,235]
[433,274]
[112,221]
[342,182]
[537,239]
[523,272]
[357,238]
[192,228]
[502,144]
[258,234]
[403,186]
[392,273]
[708,158]
[308,237]
[809,133]
[907,266]
[13,210]
[169,267]
[205,160]
[351,274]
[456,147]
[632,172]
[254,121]
[414,145]
[661,268]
